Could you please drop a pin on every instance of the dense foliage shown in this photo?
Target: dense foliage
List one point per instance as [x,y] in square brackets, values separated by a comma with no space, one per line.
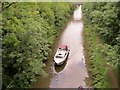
[28,32]
[103,19]
[96,61]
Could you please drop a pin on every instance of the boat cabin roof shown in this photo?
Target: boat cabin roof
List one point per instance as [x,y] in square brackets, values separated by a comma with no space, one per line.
[63,47]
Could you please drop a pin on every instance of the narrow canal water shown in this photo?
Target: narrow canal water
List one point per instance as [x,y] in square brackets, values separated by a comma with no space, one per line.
[73,72]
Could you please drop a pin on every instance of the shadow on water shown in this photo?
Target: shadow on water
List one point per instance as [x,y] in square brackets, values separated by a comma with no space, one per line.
[59,68]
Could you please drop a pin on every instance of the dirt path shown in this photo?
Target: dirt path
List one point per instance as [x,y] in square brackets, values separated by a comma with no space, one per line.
[113,77]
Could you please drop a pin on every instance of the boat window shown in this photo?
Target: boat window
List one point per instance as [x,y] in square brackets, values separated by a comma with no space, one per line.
[65,48]
[59,57]
[60,48]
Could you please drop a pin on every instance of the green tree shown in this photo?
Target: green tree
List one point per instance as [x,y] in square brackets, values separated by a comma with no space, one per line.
[28,31]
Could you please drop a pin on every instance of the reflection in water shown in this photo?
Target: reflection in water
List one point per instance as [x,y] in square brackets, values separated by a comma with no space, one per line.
[77,14]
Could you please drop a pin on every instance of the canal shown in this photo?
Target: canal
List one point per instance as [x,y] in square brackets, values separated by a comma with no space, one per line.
[73,72]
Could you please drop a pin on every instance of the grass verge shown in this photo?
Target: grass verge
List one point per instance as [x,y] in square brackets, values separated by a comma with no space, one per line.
[96,62]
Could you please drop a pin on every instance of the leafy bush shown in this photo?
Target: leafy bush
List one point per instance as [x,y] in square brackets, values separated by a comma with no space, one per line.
[28,32]
[103,19]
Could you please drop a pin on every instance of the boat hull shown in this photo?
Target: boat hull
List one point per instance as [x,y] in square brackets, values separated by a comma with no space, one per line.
[60,62]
